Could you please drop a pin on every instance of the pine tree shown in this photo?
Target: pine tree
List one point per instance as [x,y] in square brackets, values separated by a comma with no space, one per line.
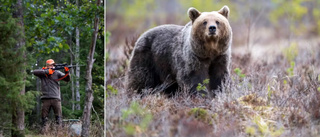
[14,101]
[11,76]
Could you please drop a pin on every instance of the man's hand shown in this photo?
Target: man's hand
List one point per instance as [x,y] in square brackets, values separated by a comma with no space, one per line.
[49,71]
[66,69]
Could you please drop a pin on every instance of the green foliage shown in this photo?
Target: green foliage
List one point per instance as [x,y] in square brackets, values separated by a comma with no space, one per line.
[202,87]
[150,13]
[50,33]
[112,90]
[48,29]
[269,92]
[250,130]
[290,70]
[262,125]
[67,112]
[29,97]
[45,28]
[238,71]
[136,111]
[263,128]
[6,5]
[12,71]
[293,10]
[206,81]
[316,15]
[209,5]
[135,11]
[285,82]
[106,54]
[199,113]
[290,53]
[98,74]
[108,34]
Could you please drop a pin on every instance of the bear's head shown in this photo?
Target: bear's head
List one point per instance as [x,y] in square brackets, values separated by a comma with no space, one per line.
[211,28]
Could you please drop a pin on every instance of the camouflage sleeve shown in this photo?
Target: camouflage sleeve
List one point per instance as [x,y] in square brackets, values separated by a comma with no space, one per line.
[39,73]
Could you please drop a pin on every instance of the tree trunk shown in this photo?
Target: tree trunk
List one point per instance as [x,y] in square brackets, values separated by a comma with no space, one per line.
[78,67]
[18,116]
[72,82]
[38,97]
[89,94]
[105,71]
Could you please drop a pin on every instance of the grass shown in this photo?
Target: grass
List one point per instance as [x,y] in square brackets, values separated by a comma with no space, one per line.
[96,130]
[262,99]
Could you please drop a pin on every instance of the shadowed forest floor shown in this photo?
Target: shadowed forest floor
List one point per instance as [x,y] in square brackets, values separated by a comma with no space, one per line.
[274,91]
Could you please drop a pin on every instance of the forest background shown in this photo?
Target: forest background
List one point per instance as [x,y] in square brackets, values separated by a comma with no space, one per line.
[33,31]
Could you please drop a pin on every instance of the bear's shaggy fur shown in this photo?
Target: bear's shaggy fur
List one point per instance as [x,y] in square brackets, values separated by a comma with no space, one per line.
[183,56]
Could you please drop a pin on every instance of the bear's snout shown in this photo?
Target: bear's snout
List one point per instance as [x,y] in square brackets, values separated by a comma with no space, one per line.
[212,30]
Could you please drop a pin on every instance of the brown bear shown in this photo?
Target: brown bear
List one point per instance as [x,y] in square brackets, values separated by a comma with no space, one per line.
[181,57]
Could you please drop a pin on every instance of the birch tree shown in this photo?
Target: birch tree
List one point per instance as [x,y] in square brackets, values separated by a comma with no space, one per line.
[89,92]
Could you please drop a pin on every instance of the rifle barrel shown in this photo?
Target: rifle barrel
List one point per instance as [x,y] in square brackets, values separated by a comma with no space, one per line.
[61,66]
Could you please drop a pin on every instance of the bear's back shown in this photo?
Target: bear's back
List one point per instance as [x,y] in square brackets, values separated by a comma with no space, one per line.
[157,45]
[160,37]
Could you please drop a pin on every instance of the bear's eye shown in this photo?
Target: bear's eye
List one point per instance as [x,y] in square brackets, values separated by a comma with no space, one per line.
[217,22]
[205,23]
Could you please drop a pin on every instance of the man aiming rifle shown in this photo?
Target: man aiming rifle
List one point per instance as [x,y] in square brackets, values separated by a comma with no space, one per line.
[50,90]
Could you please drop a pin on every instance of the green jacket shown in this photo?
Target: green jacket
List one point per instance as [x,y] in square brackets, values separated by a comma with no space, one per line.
[50,85]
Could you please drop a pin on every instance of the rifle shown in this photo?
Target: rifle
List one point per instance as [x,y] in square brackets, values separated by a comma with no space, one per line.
[61,66]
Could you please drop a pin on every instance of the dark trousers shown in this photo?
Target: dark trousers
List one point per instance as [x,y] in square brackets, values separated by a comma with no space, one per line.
[47,104]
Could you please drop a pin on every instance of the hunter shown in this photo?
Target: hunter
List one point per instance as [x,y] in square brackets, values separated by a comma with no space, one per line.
[50,91]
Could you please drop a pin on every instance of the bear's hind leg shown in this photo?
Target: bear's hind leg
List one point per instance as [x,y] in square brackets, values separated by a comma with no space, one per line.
[141,74]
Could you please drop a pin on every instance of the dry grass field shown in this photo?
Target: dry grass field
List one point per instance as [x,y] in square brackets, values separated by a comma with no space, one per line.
[274,91]
[274,87]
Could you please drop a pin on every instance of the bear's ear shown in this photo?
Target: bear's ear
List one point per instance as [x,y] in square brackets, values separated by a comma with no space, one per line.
[224,11]
[193,13]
